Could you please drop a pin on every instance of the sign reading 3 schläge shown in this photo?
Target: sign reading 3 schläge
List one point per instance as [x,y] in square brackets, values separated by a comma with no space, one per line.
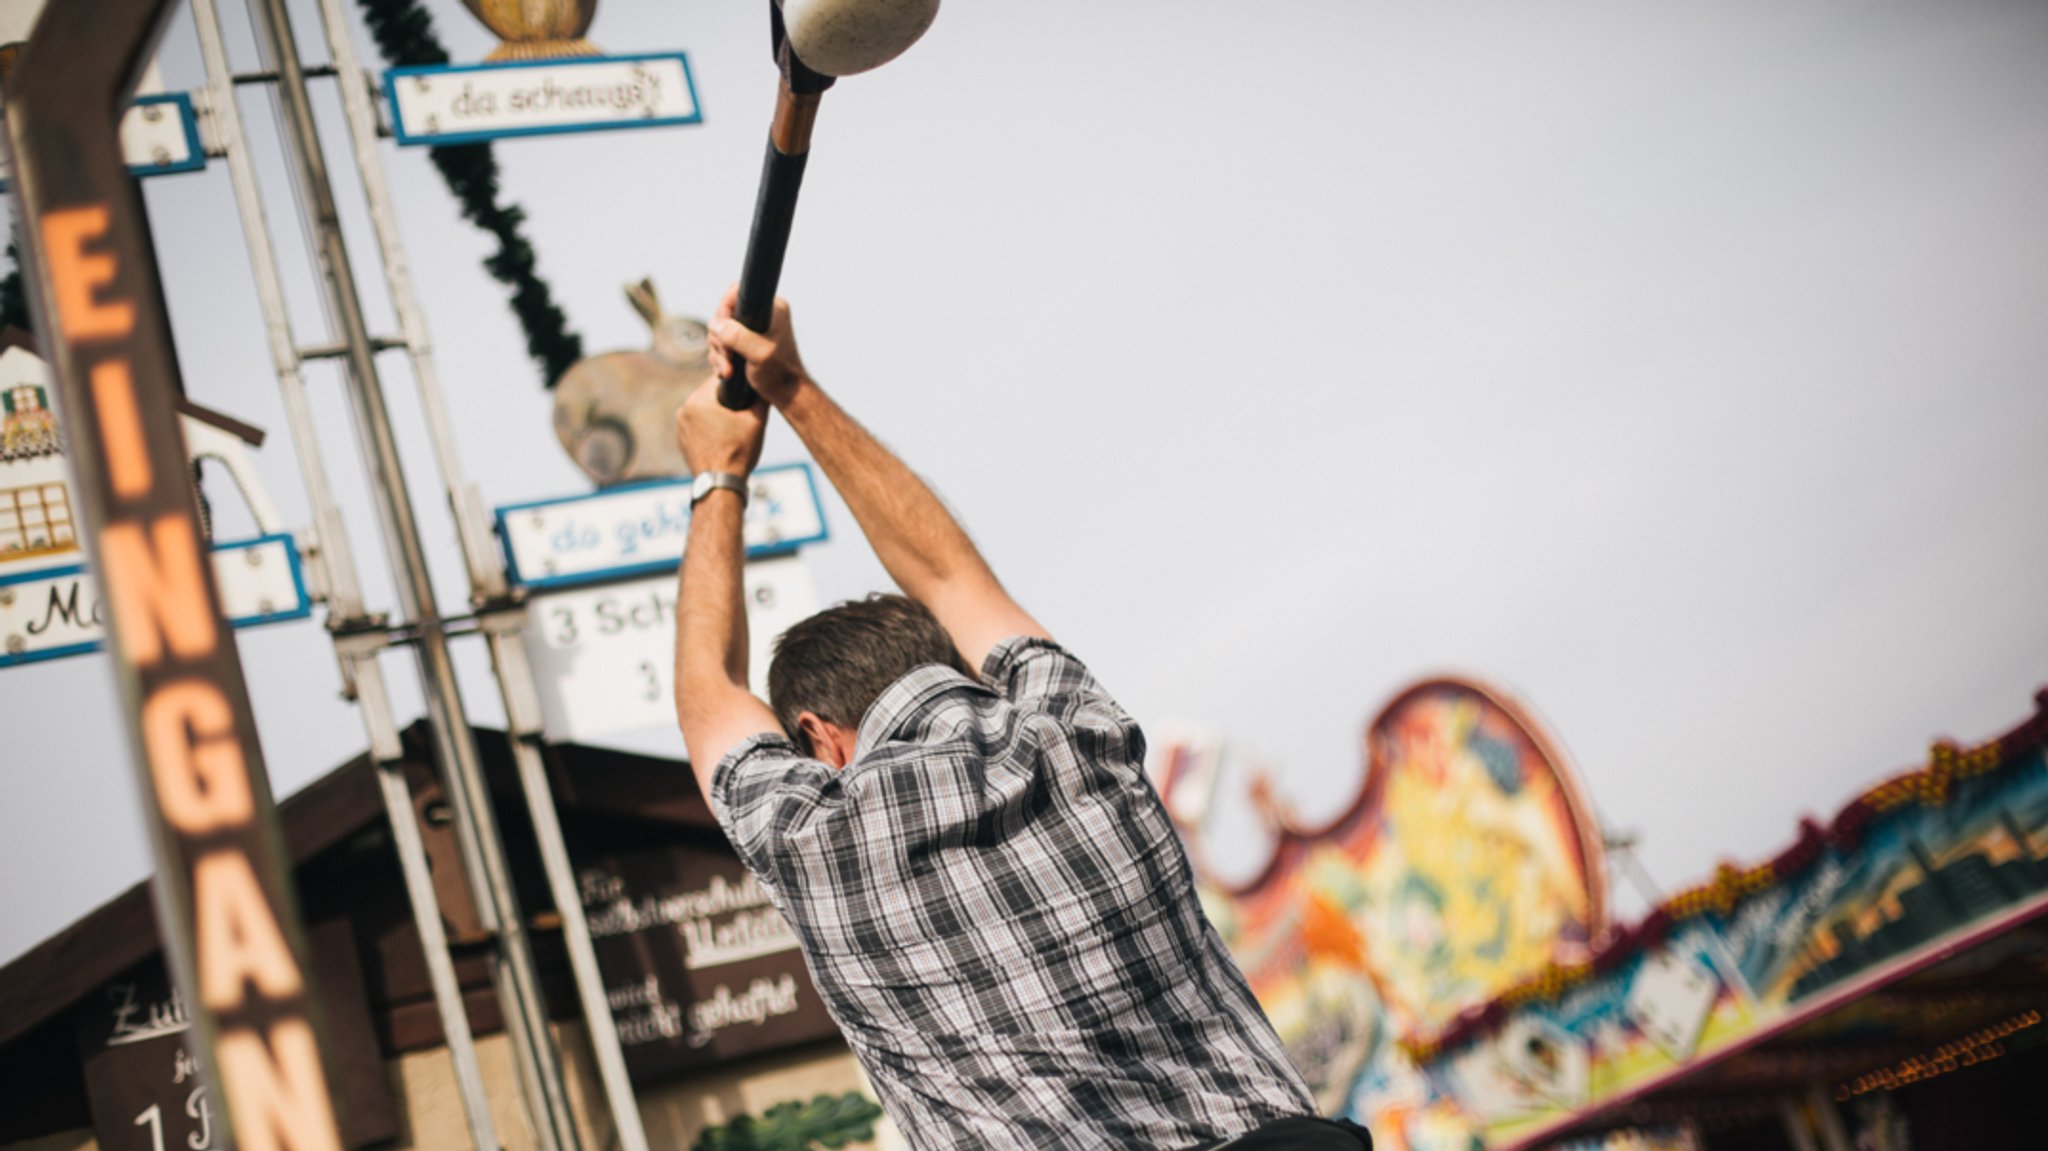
[698,965]
[605,656]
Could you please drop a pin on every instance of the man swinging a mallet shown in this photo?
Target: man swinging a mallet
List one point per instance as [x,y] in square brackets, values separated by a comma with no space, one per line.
[954,817]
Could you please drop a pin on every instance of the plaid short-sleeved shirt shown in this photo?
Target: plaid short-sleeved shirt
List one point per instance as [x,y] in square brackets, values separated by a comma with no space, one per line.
[1002,920]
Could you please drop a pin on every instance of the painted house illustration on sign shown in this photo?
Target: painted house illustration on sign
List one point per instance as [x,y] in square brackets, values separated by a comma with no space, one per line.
[49,606]
[35,485]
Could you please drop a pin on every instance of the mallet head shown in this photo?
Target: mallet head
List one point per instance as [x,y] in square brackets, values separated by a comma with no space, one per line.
[842,37]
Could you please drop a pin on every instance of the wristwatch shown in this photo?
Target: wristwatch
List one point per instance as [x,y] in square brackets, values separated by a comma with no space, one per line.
[708,482]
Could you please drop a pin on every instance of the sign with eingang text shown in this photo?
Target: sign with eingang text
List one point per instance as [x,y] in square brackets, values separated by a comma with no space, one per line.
[225,907]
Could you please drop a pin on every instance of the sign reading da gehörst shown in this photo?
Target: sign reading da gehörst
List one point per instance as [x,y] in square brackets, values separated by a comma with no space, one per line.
[698,965]
[639,529]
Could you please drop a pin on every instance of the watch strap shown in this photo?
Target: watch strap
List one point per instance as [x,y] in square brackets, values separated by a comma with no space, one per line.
[708,482]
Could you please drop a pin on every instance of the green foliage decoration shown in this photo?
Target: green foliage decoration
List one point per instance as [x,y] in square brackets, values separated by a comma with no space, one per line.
[13,301]
[829,1121]
[405,35]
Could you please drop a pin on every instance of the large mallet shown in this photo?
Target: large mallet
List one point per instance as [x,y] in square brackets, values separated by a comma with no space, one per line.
[816,42]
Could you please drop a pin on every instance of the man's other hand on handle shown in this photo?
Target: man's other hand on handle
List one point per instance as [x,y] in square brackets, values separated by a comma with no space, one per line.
[773,366]
[715,438]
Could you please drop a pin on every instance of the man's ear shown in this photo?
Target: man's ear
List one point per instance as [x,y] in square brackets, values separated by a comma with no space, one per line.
[829,741]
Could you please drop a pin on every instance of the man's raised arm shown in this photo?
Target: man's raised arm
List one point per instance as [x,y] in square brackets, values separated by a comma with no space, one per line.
[916,538]
[714,706]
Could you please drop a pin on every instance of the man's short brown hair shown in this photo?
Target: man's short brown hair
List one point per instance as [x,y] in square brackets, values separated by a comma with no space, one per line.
[838,662]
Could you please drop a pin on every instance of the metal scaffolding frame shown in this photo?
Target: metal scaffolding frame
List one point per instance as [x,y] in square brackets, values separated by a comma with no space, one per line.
[359,636]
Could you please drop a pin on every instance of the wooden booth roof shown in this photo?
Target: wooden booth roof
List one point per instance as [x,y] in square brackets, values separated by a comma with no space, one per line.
[350,888]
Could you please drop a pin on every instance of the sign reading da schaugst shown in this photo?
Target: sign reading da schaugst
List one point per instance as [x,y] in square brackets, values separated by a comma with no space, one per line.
[545,78]
[465,104]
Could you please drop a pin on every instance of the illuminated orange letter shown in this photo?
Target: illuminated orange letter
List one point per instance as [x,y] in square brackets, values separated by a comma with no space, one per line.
[202,781]
[113,394]
[157,589]
[237,934]
[281,1103]
[76,277]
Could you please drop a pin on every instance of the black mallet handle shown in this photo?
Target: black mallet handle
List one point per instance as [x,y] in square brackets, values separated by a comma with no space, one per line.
[782,176]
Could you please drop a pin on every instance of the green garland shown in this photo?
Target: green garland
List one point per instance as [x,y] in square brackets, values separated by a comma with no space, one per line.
[827,1121]
[405,35]
[13,301]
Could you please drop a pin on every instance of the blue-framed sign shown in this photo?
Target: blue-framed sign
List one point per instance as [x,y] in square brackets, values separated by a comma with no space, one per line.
[56,612]
[465,103]
[159,136]
[604,655]
[639,529]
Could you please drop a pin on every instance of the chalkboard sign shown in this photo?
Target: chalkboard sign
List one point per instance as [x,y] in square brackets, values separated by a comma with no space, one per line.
[146,1091]
[697,963]
[148,1094]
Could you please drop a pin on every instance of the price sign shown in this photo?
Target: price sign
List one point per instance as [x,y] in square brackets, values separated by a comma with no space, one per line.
[605,657]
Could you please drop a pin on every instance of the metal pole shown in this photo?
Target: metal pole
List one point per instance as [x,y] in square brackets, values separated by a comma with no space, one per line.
[1834,1134]
[487,587]
[337,575]
[455,745]
[1793,1120]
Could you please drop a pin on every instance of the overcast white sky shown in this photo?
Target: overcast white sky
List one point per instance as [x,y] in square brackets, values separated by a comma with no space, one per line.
[1678,367]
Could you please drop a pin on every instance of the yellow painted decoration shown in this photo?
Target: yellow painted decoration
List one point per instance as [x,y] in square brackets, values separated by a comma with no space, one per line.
[537,29]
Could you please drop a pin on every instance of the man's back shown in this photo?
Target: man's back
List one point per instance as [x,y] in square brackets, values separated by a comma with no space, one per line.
[997,910]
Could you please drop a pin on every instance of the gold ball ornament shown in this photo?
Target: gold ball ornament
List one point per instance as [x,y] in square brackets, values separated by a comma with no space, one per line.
[536,29]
